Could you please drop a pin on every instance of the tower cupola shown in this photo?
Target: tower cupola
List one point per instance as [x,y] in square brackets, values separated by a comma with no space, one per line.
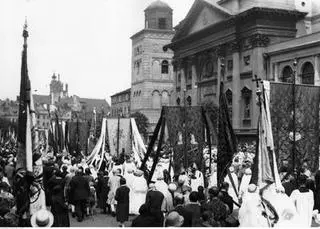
[158,15]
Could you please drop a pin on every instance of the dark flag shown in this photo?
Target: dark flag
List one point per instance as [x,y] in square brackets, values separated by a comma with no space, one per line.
[227,145]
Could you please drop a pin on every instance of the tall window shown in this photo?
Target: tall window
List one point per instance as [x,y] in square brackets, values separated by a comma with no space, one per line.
[189,101]
[307,74]
[178,101]
[165,67]
[165,98]
[286,74]
[156,99]
[162,22]
[229,102]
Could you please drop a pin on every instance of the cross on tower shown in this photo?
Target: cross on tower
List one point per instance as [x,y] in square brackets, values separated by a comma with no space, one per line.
[257,80]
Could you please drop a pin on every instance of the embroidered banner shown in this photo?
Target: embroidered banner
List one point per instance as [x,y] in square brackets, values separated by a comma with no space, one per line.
[123,126]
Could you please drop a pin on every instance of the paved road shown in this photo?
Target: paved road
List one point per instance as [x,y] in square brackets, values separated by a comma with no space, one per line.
[98,220]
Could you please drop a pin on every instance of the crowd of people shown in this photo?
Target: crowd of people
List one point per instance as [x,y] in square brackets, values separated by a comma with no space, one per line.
[187,198]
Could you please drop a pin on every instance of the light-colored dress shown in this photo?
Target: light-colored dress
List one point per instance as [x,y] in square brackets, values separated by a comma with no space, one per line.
[139,191]
[303,202]
[114,184]
[199,181]
[129,180]
[245,181]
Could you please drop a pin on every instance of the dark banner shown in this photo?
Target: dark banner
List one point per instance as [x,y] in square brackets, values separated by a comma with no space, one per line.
[305,101]
[186,135]
[78,137]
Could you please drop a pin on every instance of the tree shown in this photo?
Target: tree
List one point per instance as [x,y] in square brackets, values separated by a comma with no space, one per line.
[142,123]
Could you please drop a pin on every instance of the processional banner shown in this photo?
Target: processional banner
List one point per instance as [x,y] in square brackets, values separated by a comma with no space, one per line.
[304,100]
[186,135]
[119,131]
[78,136]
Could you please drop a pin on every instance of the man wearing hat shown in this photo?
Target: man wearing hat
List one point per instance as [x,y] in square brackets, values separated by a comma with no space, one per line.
[79,189]
[154,201]
[173,219]
[42,218]
[139,191]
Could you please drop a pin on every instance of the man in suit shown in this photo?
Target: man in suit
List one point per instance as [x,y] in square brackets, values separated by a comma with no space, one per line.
[122,198]
[154,203]
[194,207]
[79,189]
[181,209]
[145,219]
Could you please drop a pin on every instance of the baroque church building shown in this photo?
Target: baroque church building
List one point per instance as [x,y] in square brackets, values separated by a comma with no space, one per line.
[152,78]
[234,40]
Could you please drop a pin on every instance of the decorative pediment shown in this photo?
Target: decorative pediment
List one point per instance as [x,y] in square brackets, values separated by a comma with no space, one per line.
[202,14]
[208,16]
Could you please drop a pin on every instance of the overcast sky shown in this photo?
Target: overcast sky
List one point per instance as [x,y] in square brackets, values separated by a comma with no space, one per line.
[87,42]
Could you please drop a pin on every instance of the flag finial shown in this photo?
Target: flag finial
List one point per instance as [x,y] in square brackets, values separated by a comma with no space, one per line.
[25,31]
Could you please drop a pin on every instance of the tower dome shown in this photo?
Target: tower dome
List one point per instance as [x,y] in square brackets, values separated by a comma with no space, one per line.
[158,15]
[158,5]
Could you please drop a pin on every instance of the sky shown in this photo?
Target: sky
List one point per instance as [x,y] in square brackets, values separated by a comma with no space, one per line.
[87,42]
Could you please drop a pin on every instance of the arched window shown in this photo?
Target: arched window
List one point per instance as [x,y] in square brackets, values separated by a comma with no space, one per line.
[178,101]
[286,75]
[165,67]
[189,101]
[165,98]
[307,74]
[156,99]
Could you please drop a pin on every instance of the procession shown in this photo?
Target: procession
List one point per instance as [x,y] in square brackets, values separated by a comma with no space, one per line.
[220,127]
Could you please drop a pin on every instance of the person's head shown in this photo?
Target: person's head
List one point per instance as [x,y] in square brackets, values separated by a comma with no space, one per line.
[305,165]
[81,169]
[206,215]
[193,197]
[87,171]
[64,168]
[302,181]
[91,184]
[122,181]
[152,186]
[225,186]
[118,171]
[179,199]
[214,192]
[79,172]
[173,219]
[200,189]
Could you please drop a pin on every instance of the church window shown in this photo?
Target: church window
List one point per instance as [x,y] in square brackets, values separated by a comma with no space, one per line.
[165,67]
[156,100]
[162,23]
[229,102]
[138,68]
[179,78]
[189,101]
[286,74]
[307,76]
[230,65]
[247,96]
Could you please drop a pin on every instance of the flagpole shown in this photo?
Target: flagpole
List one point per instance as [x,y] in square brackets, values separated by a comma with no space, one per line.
[294,116]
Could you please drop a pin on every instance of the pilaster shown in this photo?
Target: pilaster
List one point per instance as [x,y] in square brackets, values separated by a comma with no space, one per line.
[316,71]
[236,96]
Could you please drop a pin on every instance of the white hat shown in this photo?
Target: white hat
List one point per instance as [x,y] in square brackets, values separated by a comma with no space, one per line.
[42,218]
[172,187]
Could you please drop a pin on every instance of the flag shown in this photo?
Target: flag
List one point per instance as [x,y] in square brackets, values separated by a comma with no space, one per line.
[29,198]
[265,166]
[227,144]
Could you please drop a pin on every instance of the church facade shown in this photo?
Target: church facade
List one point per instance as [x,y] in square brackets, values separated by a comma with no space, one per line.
[233,41]
[152,77]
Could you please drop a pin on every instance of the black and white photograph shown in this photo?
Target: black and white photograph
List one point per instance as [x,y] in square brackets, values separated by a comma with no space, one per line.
[160,113]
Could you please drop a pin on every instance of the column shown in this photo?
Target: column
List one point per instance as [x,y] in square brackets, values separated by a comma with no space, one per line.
[236,90]
[276,72]
[316,71]
[194,89]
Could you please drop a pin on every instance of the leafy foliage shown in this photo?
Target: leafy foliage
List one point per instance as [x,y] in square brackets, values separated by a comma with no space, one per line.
[142,123]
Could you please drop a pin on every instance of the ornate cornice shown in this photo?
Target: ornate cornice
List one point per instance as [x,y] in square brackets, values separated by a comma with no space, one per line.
[221,50]
[259,40]
[235,46]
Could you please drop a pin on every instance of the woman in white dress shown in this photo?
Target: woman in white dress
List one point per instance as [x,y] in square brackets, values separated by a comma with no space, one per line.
[139,191]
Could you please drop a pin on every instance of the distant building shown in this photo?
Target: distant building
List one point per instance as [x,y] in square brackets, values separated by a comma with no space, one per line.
[152,78]
[67,107]
[9,110]
[120,104]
